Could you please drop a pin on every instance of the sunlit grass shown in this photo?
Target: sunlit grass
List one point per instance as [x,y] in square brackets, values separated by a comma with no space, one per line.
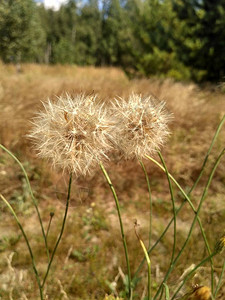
[89,262]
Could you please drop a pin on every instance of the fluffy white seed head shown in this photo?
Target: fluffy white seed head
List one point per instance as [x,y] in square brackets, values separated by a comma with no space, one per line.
[74,133]
[142,126]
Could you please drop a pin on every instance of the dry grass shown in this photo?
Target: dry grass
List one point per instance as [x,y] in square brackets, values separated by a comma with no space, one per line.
[90,258]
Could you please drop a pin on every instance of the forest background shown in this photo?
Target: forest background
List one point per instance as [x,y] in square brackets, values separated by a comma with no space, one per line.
[182,39]
[152,41]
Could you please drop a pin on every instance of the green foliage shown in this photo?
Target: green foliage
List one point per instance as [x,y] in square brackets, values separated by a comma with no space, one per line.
[63,52]
[85,254]
[170,38]
[88,35]
[167,292]
[6,241]
[200,37]
[21,34]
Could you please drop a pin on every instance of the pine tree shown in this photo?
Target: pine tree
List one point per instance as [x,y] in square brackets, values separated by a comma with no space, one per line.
[212,33]
[22,37]
[88,34]
[65,27]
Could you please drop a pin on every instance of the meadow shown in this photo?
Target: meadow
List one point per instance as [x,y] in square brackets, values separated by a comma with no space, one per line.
[90,263]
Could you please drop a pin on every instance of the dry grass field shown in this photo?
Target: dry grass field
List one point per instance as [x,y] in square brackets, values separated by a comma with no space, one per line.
[90,261]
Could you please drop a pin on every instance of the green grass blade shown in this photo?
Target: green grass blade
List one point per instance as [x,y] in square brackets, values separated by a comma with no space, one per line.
[193,223]
[207,154]
[27,242]
[121,225]
[159,239]
[173,204]
[183,203]
[174,211]
[150,203]
[220,281]
[61,232]
[147,260]
[167,291]
[31,193]
[189,201]
[192,271]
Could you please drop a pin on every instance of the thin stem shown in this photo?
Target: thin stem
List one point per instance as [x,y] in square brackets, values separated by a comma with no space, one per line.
[207,154]
[186,199]
[174,180]
[167,292]
[61,232]
[49,224]
[150,202]
[31,193]
[159,239]
[193,223]
[121,225]
[147,260]
[28,245]
[182,204]
[192,271]
[189,201]
[174,208]
[220,281]
[200,175]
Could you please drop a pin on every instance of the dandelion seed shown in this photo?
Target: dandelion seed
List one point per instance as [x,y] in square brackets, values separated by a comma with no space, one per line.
[73,133]
[142,126]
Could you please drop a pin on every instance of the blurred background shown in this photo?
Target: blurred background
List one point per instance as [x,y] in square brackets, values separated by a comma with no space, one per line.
[182,39]
[171,49]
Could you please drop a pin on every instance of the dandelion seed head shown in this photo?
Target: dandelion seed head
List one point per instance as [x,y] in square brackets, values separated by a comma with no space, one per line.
[73,133]
[142,126]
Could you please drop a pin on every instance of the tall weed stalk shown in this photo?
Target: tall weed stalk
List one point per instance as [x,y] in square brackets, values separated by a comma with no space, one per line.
[175,257]
[121,226]
[50,259]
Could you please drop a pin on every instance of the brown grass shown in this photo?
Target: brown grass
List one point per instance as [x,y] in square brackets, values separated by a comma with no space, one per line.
[90,256]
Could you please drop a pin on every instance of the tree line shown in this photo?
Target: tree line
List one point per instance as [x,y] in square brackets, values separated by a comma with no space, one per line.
[183,39]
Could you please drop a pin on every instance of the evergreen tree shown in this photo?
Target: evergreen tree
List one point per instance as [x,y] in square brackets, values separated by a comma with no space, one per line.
[88,34]
[200,37]
[22,37]
[182,39]
[65,21]
[212,34]
[154,36]
[118,42]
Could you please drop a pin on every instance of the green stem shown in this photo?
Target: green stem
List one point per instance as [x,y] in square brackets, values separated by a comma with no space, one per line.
[49,225]
[189,201]
[28,245]
[159,239]
[121,225]
[31,193]
[148,262]
[174,209]
[193,223]
[182,204]
[192,271]
[200,175]
[220,281]
[150,202]
[174,180]
[167,292]
[149,269]
[61,232]
[207,154]
[186,199]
